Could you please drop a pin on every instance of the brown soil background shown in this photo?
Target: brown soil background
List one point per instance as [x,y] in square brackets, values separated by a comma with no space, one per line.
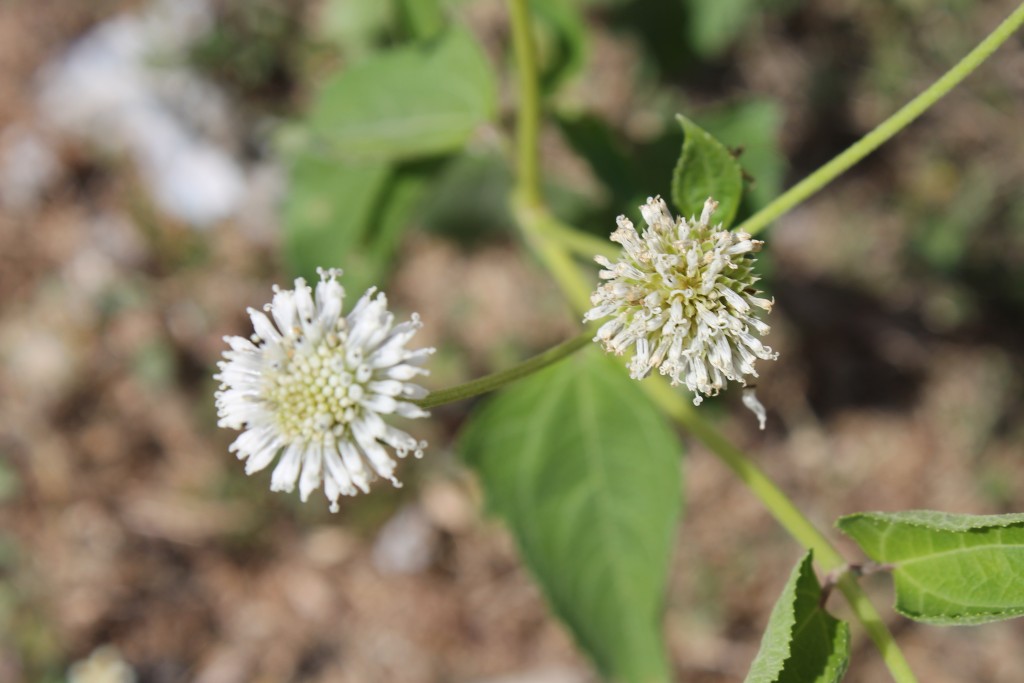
[124,519]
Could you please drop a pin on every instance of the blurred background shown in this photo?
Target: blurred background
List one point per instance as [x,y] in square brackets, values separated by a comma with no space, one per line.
[148,191]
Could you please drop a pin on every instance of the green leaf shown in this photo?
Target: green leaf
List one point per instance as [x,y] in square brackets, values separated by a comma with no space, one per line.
[586,473]
[948,569]
[351,217]
[409,102]
[327,211]
[404,195]
[803,643]
[705,169]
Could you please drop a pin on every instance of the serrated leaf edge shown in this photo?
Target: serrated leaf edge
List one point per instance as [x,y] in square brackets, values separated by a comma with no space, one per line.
[689,125]
[936,520]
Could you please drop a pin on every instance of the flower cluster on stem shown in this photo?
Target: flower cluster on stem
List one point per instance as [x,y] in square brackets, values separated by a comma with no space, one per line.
[312,384]
[682,296]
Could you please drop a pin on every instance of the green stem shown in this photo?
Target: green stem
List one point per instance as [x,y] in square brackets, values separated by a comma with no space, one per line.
[781,507]
[537,226]
[497,380]
[885,130]
[582,243]
[789,517]
[533,219]
[528,116]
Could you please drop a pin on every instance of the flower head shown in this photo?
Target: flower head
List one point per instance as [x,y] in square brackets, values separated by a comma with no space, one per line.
[682,295]
[312,384]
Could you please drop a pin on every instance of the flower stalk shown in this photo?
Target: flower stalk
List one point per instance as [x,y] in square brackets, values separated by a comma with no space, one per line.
[875,138]
[528,113]
[497,380]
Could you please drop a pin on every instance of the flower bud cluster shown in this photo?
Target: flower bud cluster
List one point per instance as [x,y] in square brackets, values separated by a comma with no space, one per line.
[682,297]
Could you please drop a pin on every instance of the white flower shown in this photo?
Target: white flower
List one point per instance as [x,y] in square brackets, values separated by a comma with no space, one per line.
[682,296]
[312,384]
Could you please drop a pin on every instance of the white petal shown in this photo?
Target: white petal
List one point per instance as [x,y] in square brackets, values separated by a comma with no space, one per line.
[263,327]
[337,473]
[287,470]
[263,457]
[312,467]
[354,464]
[410,410]
[379,403]
[754,405]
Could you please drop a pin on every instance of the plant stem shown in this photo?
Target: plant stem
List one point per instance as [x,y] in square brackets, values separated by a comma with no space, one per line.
[885,130]
[790,518]
[533,218]
[528,115]
[497,380]
[537,226]
[582,243]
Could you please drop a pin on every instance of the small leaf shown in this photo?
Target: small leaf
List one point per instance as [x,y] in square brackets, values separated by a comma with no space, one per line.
[586,473]
[948,569]
[406,103]
[327,211]
[803,643]
[705,169]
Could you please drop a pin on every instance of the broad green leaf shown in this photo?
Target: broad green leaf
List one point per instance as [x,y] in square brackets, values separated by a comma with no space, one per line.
[803,643]
[586,473]
[327,212]
[705,169]
[399,204]
[409,102]
[948,569]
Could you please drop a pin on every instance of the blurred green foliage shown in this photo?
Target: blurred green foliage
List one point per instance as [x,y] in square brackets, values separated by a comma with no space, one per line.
[411,115]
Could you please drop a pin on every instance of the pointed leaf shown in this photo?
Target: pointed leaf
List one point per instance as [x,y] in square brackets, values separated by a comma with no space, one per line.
[803,643]
[408,102]
[586,473]
[705,169]
[948,569]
